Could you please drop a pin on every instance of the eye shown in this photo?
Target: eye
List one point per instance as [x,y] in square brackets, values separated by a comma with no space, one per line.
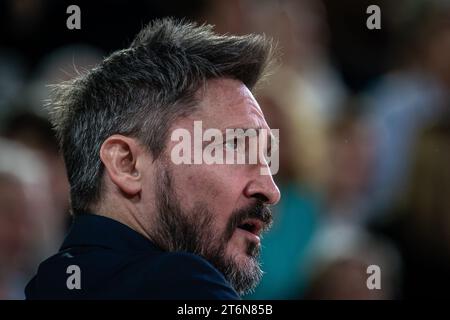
[232,144]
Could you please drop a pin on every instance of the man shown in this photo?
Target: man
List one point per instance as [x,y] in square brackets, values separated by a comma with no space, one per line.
[145,227]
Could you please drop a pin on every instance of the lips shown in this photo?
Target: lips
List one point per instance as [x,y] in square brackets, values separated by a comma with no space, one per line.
[253,226]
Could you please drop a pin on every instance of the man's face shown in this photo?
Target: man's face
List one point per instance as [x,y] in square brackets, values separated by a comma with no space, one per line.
[217,210]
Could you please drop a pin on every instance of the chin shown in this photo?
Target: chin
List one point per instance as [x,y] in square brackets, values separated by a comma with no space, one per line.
[242,250]
[245,273]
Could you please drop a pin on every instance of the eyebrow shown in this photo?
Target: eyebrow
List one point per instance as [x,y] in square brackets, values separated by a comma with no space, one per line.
[257,129]
[244,131]
[273,139]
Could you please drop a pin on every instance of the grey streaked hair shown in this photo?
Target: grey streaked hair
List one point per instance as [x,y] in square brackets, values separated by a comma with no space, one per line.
[139,91]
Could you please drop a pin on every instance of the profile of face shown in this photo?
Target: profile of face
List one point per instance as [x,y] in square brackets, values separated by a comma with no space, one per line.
[218,211]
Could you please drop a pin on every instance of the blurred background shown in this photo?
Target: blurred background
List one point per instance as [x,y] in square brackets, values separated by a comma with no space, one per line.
[364,132]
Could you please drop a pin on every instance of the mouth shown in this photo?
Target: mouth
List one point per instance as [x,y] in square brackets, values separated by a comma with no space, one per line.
[253,226]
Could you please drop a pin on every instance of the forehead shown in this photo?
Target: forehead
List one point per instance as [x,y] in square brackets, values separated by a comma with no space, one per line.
[227,103]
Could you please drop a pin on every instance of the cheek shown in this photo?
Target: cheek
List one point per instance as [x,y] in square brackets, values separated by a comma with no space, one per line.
[212,185]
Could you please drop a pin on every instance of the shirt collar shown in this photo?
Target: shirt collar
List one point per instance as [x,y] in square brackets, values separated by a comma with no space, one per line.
[93,230]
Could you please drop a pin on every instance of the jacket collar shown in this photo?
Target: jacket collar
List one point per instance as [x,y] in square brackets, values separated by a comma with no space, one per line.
[93,230]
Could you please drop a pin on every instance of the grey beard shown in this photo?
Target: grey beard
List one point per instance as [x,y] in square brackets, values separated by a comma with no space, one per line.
[193,232]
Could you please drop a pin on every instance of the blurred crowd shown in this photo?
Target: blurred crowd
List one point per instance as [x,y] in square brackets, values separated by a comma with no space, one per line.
[364,136]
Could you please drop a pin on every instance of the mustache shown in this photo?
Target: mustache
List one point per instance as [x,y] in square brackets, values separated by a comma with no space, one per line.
[258,210]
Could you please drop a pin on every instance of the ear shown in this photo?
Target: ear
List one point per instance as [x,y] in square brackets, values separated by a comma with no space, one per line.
[120,156]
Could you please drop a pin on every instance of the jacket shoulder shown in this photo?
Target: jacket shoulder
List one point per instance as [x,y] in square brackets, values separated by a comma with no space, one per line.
[106,274]
[181,275]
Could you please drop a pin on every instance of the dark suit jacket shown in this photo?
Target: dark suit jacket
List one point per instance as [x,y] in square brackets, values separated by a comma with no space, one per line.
[116,262]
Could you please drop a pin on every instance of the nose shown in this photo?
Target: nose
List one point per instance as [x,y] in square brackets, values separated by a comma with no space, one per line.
[263,188]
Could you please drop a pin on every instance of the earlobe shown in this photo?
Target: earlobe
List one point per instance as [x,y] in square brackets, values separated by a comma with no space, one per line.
[119,155]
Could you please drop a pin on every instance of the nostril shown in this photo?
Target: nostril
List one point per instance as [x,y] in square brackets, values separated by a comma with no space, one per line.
[261,197]
[247,226]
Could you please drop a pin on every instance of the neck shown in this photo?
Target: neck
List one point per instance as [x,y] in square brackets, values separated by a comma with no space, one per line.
[125,216]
